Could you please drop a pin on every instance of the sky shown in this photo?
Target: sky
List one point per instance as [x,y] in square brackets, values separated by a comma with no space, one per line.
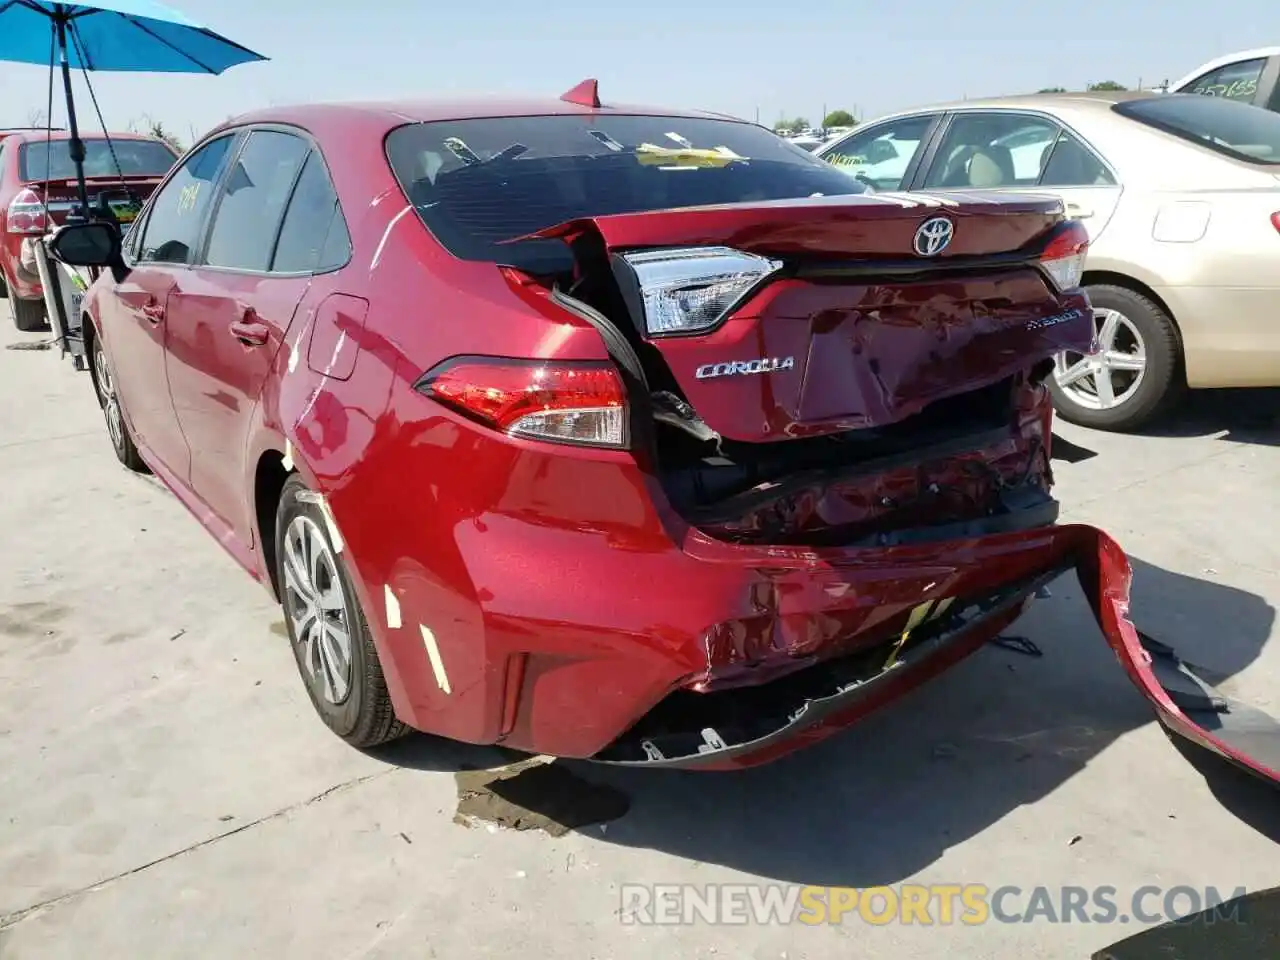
[746,57]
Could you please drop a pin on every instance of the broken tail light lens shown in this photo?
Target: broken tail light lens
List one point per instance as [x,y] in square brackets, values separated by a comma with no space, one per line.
[1063,258]
[26,214]
[689,290]
[574,402]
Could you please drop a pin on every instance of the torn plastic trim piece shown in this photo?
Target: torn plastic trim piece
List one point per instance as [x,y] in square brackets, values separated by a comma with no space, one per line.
[813,711]
[615,342]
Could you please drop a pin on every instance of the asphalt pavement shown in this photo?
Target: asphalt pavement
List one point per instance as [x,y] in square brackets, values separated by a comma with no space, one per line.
[165,790]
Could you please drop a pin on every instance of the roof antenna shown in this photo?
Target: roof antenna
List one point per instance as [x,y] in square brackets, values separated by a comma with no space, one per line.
[585,94]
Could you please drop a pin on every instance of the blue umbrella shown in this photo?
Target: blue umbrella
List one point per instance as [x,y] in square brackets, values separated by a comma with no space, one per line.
[112,35]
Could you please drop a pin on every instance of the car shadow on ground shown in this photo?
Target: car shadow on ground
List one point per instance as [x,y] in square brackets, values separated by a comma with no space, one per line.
[887,798]
[1247,416]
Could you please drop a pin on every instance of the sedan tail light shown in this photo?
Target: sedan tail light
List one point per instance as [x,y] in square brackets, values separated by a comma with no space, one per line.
[1063,259]
[688,290]
[1275,221]
[26,213]
[574,402]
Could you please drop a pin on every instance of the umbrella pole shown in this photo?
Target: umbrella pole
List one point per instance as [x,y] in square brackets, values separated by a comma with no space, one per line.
[75,143]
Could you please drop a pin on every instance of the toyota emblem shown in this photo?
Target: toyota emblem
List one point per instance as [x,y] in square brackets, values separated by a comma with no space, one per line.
[933,236]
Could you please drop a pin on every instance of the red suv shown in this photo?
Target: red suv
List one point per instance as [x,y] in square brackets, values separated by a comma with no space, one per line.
[606,432]
[38,184]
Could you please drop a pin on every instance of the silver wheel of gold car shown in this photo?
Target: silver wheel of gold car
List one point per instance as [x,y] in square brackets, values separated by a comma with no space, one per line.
[1135,370]
[1113,374]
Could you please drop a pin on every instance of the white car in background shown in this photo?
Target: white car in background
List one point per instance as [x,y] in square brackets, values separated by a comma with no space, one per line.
[1250,76]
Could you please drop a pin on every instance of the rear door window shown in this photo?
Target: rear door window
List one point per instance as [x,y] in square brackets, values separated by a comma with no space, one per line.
[1235,81]
[256,190]
[991,150]
[178,211]
[314,235]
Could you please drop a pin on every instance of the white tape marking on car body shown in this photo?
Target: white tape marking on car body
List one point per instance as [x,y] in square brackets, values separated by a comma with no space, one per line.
[433,654]
[939,201]
[393,607]
[377,254]
[288,456]
[317,499]
[334,535]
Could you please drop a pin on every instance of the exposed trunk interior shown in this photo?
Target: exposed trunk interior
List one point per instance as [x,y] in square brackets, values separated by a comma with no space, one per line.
[968,456]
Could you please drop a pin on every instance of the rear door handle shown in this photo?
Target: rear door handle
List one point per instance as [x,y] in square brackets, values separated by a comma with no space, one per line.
[1078,211]
[153,310]
[250,331]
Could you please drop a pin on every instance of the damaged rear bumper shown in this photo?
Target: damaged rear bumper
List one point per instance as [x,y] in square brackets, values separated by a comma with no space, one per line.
[830,696]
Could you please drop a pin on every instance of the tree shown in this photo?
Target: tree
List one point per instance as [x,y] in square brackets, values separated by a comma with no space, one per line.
[36,117]
[1052,90]
[1106,85]
[156,128]
[839,118]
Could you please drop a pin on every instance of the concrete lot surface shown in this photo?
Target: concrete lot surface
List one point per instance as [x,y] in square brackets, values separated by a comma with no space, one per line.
[166,792]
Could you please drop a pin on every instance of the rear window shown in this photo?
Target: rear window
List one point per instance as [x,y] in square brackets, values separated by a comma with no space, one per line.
[51,160]
[476,183]
[1233,129]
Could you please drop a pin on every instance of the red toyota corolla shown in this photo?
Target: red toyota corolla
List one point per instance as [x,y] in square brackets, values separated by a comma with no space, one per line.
[607,432]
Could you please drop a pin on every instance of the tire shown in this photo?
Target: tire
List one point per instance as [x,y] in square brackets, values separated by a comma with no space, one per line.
[28,315]
[351,698]
[1139,329]
[104,384]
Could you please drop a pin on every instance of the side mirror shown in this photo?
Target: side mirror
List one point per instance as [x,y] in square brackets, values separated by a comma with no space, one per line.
[93,244]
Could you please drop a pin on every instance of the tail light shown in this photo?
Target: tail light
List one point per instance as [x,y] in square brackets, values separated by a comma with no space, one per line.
[689,290]
[1063,259]
[574,402]
[26,213]
[1275,221]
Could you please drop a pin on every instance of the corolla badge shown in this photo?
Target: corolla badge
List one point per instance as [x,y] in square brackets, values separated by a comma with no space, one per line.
[739,368]
[933,236]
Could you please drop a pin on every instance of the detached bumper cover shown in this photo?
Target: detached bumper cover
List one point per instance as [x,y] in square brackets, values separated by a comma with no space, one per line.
[1184,702]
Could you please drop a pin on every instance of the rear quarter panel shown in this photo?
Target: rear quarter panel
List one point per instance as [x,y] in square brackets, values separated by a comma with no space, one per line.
[393,466]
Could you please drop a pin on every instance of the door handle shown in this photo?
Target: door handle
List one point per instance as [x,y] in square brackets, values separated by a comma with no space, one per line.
[250,331]
[153,310]
[1078,211]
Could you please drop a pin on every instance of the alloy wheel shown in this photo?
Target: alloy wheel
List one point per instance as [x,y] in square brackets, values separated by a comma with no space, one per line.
[110,399]
[1112,374]
[318,611]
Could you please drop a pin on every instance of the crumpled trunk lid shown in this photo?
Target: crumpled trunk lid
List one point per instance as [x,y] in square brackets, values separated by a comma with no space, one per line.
[857,327]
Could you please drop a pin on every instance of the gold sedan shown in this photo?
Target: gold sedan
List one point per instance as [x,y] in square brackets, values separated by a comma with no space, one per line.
[1181,198]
